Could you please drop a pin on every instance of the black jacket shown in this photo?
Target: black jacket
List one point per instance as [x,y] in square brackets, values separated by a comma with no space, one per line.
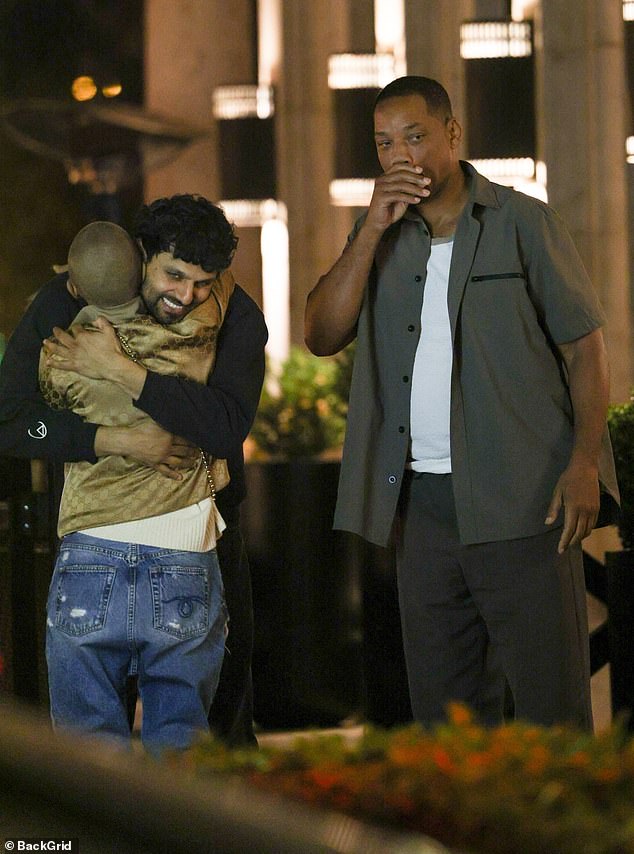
[217,417]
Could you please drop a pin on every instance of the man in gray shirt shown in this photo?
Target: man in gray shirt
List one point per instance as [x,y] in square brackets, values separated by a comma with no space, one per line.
[476,430]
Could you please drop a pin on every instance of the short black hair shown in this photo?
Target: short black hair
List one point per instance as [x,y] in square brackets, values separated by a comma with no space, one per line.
[191,228]
[434,93]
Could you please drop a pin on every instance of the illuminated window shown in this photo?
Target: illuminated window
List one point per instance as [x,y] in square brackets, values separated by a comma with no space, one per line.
[521,173]
[243,102]
[495,39]
[360,70]
[351,192]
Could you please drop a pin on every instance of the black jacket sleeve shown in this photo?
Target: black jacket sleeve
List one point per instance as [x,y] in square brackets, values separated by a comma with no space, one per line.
[29,428]
[216,416]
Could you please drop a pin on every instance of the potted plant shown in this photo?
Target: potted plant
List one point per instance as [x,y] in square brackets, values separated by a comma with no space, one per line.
[620,566]
[306,667]
[302,411]
[621,424]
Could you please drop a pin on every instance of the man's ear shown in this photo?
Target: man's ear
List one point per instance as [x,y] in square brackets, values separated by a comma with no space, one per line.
[71,287]
[455,132]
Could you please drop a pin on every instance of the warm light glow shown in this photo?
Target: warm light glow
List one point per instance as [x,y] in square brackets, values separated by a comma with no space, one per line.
[271,216]
[351,192]
[495,39]
[83,88]
[523,10]
[389,32]
[629,149]
[360,70]
[269,41]
[81,171]
[628,10]
[499,168]
[253,213]
[521,173]
[112,90]
[243,102]
[276,289]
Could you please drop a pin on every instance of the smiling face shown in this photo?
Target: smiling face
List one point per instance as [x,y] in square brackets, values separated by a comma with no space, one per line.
[173,287]
[406,132]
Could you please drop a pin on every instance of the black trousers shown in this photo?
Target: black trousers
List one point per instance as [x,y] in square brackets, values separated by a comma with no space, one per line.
[472,613]
[231,714]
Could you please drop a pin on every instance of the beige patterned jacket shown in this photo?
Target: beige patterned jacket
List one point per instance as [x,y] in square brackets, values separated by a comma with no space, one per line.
[118,489]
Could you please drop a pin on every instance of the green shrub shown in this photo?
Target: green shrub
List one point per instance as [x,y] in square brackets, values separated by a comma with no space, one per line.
[302,411]
[621,424]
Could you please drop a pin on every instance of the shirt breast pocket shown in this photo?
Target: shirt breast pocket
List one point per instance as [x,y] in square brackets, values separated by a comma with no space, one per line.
[492,277]
[496,301]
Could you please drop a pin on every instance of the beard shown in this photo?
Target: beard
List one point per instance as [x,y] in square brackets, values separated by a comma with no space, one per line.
[164,309]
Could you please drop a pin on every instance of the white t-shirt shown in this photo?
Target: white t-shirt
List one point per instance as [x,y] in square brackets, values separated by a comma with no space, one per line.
[431,379]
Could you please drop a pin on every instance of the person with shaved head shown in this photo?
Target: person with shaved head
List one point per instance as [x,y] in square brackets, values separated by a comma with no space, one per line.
[155,381]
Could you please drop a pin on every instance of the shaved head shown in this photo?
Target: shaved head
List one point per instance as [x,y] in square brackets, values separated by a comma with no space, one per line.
[105,265]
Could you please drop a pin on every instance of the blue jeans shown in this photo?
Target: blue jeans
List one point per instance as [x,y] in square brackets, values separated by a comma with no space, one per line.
[119,609]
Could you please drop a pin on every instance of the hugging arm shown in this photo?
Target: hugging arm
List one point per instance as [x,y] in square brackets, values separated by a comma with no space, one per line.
[217,416]
[31,429]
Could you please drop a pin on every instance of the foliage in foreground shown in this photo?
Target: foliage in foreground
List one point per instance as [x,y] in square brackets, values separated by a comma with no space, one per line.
[515,789]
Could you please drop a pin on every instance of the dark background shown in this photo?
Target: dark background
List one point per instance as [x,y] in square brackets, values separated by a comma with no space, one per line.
[43,47]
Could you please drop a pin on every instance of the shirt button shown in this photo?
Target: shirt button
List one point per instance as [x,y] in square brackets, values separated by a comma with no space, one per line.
[418,278]
[401,429]
[405,379]
[411,327]
[391,478]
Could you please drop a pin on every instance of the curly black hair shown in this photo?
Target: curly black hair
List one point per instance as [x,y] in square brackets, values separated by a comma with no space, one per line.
[191,228]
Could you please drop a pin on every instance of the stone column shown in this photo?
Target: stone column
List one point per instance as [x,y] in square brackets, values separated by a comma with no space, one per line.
[582,103]
[433,44]
[190,48]
[305,140]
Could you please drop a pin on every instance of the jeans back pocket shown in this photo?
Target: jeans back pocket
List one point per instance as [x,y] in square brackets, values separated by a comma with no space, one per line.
[180,600]
[80,598]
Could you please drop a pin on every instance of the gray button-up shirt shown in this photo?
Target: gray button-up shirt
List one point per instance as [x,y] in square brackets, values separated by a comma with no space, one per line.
[517,288]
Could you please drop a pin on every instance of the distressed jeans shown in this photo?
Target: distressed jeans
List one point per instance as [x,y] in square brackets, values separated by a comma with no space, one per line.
[118,609]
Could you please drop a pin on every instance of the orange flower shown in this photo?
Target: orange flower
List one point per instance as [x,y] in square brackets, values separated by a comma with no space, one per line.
[480,760]
[607,775]
[408,754]
[537,759]
[580,759]
[459,714]
[443,760]
[324,778]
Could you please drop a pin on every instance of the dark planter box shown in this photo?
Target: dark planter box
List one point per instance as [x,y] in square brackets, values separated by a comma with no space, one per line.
[306,663]
[620,602]
[327,628]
